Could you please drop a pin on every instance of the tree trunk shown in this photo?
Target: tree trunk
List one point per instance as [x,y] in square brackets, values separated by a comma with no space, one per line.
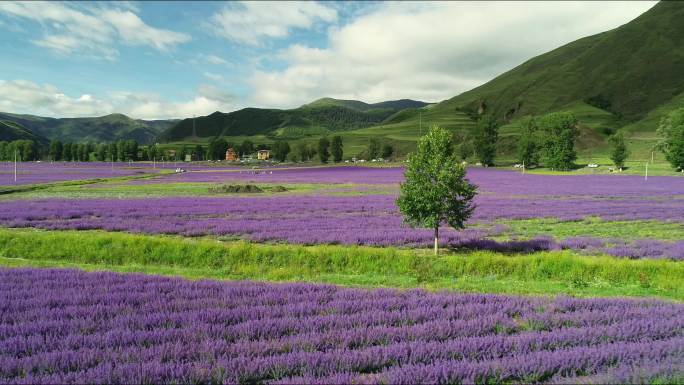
[436,239]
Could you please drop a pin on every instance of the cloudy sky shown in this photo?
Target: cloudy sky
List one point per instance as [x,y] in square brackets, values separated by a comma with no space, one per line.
[156,60]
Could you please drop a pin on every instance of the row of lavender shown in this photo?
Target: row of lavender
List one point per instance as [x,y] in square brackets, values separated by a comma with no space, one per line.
[365,220]
[489,180]
[495,181]
[48,172]
[65,326]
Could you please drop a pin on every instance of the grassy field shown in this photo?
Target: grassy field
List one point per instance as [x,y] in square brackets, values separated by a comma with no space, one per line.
[542,273]
[593,227]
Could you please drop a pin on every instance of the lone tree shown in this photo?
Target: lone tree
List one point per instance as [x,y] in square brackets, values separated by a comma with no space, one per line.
[672,130]
[336,148]
[618,151]
[487,134]
[323,153]
[436,189]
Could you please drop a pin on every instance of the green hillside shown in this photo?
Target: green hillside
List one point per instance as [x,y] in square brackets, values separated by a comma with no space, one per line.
[318,118]
[624,79]
[628,72]
[395,105]
[98,129]
[10,131]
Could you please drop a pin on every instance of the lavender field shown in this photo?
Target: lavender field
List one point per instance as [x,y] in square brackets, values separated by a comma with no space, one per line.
[48,172]
[66,326]
[360,217]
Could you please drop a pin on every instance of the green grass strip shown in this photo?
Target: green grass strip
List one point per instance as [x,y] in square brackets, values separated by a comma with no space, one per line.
[543,273]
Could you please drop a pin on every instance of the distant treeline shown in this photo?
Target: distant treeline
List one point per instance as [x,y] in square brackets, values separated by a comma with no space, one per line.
[24,150]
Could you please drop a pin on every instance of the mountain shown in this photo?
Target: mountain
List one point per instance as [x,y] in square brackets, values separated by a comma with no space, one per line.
[624,79]
[395,105]
[317,118]
[10,131]
[626,72]
[98,129]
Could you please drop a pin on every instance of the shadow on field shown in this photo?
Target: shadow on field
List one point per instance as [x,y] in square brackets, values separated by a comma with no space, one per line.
[525,246]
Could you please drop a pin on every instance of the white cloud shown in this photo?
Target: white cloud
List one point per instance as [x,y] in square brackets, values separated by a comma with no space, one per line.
[90,30]
[250,22]
[134,31]
[25,97]
[213,59]
[213,76]
[431,51]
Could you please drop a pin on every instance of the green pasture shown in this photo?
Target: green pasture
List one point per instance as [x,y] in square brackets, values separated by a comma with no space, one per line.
[592,227]
[542,273]
[119,190]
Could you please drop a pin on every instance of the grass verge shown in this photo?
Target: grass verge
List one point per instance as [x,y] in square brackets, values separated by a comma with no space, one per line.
[543,273]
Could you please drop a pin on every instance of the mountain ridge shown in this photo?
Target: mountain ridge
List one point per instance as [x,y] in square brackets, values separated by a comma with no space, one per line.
[106,128]
[321,116]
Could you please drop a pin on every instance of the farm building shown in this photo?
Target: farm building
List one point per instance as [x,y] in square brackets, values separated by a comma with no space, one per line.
[231,155]
[263,154]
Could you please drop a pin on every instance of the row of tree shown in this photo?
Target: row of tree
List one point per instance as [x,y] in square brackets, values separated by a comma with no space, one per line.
[23,150]
[122,150]
[548,140]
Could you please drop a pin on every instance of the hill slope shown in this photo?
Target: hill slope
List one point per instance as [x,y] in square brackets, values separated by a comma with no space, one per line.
[98,129]
[10,131]
[318,118]
[627,71]
[361,106]
[627,78]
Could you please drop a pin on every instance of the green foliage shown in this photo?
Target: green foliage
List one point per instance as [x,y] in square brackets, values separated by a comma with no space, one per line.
[199,152]
[216,150]
[55,152]
[246,148]
[337,148]
[672,130]
[280,150]
[183,152]
[559,130]
[436,189]
[323,149]
[305,151]
[486,137]
[387,151]
[463,145]
[618,151]
[101,152]
[528,145]
[374,148]
[25,150]
[544,273]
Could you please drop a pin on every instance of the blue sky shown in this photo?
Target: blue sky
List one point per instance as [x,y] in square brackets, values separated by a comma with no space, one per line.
[176,59]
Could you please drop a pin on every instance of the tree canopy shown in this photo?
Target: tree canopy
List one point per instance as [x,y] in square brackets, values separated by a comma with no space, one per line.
[487,135]
[323,152]
[559,130]
[618,151]
[672,145]
[436,189]
[337,148]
